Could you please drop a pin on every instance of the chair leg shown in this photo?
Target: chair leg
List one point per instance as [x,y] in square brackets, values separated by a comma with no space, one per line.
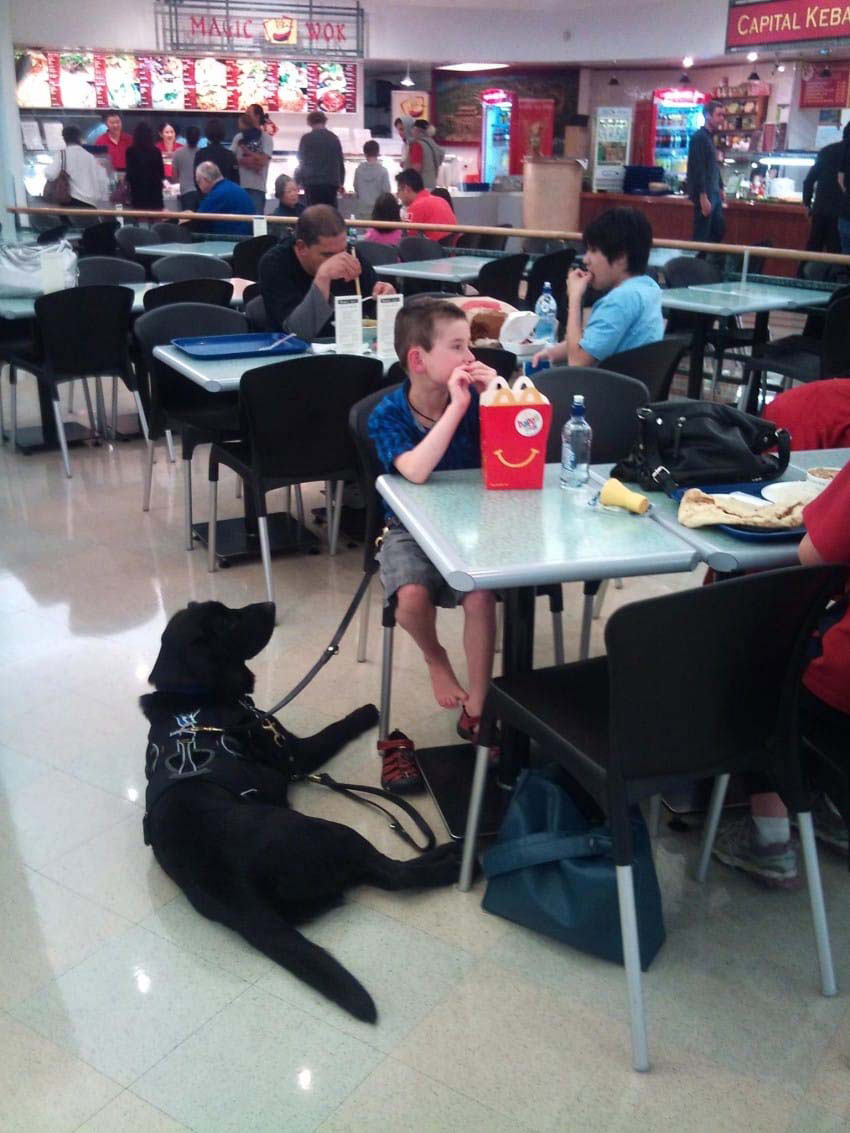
[89,407]
[60,430]
[239,487]
[115,407]
[558,636]
[386,683]
[2,415]
[473,818]
[333,529]
[655,816]
[169,443]
[500,632]
[631,957]
[265,550]
[810,858]
[600,598]
[299,504]
[715,807]
[289,499]
[146,490]
[187,503]
[140,409]
[586,618]
[363,631]
[70,406]
[212,563]
[101,409]
[13,407]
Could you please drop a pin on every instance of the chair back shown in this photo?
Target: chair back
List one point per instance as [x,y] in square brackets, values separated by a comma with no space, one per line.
[611,400]
[84,330]
[108,269]
[371,252]
[170,232]
[192,265]
[133,236]
[551,268]
[295,415]
[52,235]
[171,392]
[504,362]
[99,239]
[419,248]
[835,348]
[685,271]
[368,467]
[722,677]
[258,317]
[468,240]
[494,243]
[250,292]
[654,364]
[217,292]
[501,278]
[248,253]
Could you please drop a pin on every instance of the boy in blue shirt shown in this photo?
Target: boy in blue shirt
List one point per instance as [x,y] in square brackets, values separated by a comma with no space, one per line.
[431,424]
[628,315]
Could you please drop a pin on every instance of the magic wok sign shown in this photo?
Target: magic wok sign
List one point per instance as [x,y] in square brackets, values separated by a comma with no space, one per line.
[786,22]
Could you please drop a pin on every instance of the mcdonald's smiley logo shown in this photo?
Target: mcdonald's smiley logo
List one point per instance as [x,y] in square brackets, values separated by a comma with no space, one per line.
[500,456]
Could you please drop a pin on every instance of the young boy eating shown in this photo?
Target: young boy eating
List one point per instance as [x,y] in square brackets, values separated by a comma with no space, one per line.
[431,424]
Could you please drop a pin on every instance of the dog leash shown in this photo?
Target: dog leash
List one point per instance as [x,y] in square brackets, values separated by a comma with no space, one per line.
[350,789]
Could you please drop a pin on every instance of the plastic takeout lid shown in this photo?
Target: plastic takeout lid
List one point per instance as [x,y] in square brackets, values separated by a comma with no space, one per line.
[517,327]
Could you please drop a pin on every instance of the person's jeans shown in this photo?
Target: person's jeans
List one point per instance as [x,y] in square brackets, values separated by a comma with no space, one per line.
[712,228]
[844,235]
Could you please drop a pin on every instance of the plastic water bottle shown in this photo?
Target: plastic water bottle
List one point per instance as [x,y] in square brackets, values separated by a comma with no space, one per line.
[576,436]
[546,310]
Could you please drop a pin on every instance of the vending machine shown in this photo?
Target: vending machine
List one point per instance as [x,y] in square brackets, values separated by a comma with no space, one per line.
[664,127]
[512,128]
[611,147]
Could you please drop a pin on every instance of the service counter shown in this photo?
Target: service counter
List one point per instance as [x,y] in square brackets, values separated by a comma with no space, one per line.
[747,222]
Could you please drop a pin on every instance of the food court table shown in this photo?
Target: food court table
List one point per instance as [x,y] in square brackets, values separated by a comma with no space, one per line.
[452,270]
[221,248]
[515,541]
[711,301]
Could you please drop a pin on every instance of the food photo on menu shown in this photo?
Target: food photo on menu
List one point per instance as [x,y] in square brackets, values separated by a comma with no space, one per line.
[252,81]
[122,81]
[211,91]
[330,88]
[166,75]
[32,74]
[292,87]
[76,80]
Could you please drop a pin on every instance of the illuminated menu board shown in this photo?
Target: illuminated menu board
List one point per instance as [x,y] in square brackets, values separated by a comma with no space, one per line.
[96,80]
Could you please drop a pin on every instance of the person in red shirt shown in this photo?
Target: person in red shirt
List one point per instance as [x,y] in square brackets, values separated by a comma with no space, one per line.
[117,142]
[423,207]
[817,415]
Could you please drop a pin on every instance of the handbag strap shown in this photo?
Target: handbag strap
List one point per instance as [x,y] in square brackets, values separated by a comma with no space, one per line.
[353,792]
[537,849]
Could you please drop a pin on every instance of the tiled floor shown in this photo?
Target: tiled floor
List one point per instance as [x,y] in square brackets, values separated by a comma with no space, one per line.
[121,1009]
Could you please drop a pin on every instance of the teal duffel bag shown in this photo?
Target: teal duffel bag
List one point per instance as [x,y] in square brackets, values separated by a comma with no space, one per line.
[552,871]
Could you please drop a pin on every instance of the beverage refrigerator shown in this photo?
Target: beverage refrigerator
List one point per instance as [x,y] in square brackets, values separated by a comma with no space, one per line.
[611,147]
[664,126]
[513,127]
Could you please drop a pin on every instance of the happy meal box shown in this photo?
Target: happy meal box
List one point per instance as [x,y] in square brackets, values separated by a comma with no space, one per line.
[514,428]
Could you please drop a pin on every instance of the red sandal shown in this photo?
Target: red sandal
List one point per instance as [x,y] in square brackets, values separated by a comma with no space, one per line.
[399,772]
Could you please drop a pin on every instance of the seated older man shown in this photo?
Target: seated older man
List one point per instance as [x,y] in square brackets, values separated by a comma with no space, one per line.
[299,279]
[221,195]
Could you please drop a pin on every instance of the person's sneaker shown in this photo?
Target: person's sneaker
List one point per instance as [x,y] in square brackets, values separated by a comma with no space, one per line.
[829,825]
[775,866]
[399,771]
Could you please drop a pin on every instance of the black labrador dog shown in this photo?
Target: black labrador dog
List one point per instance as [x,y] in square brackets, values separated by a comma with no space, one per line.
[216,808]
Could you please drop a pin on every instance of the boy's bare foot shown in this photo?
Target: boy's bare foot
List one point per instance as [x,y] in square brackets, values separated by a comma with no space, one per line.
[447,689]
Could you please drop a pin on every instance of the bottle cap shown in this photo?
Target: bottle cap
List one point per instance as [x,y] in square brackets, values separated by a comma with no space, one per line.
[578,399]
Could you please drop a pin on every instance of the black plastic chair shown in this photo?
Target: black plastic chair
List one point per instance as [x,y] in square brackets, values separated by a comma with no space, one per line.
[504,362]
[214,292]
[53,235]
[247,255]
[250,292]
[133,236]
[654,364]
[108,269]
[551,268]
[468,240]
[688,271]
[99,239]
[414,248]
[67,349]
[171,232]
[170,269]
[255,310]
[716,694]
[294,422]
[176,403]
[491,243]
[500,279]
[371,252]
[612,402]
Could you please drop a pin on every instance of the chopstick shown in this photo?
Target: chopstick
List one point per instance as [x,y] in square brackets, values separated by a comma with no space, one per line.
[357,291]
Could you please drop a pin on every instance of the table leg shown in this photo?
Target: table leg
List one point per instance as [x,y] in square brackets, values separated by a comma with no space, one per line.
[697,356]
[760,333]
[517,657]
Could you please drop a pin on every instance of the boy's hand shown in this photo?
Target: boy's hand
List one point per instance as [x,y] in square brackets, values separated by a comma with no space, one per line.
[459,383]
[577,284]
[480,374]
[543,355]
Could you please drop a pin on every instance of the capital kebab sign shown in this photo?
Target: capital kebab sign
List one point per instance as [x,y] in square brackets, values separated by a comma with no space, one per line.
[786,22]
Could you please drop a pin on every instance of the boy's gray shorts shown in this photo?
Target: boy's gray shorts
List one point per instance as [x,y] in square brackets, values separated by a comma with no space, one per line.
[404,563]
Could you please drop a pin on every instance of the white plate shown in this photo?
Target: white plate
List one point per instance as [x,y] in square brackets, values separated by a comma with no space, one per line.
[789,492]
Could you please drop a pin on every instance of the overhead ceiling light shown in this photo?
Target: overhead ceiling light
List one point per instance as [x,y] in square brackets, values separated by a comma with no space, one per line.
[688,62]
[780,68]
[473,66]
[752,56]
[407,81]
[613,81]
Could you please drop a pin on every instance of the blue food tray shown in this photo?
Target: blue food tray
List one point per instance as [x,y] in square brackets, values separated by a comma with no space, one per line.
[748,534]
[241,345]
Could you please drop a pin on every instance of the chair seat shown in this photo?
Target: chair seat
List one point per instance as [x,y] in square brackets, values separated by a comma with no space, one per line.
[799,365]
[236,454]
[214,419]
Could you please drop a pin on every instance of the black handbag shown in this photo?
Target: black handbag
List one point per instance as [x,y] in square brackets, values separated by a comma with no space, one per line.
[683,444]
